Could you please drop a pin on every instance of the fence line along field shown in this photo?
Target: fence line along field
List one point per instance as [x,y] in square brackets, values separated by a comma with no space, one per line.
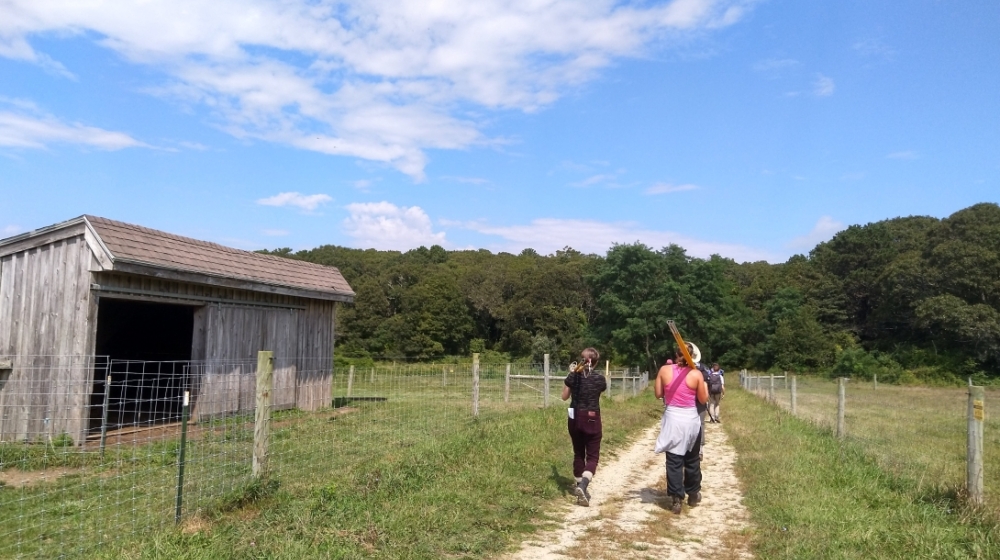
[920,433]
[133,475]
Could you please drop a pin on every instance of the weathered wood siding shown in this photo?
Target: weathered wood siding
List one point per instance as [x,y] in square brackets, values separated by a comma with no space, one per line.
[47,318]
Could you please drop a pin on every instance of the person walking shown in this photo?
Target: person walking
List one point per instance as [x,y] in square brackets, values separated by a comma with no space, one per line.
[681,387]
[716,390]
[584,385]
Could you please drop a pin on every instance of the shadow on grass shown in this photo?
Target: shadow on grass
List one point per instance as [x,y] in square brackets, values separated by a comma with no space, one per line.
[564,483]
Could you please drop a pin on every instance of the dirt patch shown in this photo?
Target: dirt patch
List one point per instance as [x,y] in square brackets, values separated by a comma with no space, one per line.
[15,478]
[629,516]
[196,524]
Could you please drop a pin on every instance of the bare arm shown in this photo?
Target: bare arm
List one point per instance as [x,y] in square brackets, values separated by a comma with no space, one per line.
[662,379]
[565,392]
[702,390]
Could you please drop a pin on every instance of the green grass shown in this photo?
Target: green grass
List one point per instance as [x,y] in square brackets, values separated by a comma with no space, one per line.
[411,477]
[812,496]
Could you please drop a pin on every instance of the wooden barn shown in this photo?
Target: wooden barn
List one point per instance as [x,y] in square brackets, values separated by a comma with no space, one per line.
[161,314]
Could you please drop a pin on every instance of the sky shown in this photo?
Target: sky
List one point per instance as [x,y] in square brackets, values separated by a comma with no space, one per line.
[749,129]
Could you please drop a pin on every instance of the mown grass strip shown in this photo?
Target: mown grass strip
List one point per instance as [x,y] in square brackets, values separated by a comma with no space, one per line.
[812,496]
[470,492]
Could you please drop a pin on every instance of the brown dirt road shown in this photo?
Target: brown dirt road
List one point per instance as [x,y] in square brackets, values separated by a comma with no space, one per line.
[629,516]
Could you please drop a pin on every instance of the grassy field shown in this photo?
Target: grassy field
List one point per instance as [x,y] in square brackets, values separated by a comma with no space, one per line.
[412,476]
[869,496]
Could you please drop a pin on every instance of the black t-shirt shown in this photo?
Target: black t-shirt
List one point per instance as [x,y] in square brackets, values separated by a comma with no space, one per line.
[586,389]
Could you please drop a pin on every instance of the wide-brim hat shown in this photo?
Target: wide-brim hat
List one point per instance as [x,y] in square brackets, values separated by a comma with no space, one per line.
[695,352]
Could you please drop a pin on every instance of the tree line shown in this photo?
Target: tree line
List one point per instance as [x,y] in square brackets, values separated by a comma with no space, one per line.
[914,298]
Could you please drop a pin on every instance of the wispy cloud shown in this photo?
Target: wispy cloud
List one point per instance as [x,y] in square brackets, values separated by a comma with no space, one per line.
[823,86]
[665,188]
[774,65]
[10,230]
[825,228]
[873,48]
[600,178]
[383,225]
[853,176]
[308,202]
[547,235]
[467,180]
[377,80]
[906,154]
[275,232]
[24,125]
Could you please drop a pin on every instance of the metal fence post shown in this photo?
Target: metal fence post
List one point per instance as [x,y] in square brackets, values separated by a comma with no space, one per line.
[506,385]
[974,467]
[181,460]
[841,402]
[350,380]
[262,416]
[794,396]
[475,385]
[545,367]
[104,415]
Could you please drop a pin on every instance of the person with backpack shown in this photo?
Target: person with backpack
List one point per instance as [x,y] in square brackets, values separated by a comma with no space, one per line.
[716,390]
[584,385]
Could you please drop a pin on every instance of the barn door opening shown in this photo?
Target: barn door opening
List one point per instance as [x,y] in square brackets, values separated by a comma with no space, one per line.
[149,349]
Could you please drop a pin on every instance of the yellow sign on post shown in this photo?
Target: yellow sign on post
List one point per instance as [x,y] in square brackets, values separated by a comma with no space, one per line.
[977,410]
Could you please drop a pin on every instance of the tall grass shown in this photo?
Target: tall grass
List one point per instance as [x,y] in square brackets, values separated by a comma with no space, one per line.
[813,496]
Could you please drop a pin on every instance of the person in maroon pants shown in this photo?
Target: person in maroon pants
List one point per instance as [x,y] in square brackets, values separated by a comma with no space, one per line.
[584,385]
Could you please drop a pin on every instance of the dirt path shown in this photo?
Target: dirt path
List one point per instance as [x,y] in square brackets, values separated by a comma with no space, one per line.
[629,516]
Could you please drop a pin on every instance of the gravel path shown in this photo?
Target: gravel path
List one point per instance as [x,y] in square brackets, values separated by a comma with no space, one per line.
[629,516]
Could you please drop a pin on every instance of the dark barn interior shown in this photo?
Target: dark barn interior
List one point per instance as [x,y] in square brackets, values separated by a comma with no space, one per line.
[148,347]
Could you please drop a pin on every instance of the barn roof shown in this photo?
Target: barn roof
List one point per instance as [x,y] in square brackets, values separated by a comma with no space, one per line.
[140,250]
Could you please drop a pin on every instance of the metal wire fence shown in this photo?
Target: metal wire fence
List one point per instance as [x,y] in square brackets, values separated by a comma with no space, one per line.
[96,453]
[919,433]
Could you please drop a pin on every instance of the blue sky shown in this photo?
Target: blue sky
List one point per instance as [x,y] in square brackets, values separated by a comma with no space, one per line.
[752,129]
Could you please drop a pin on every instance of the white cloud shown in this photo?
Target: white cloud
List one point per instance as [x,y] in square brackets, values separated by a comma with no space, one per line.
[823,86]
[873,48]
[307,202]
[467,180]
[774,65]
[597,179]
[275,232]
[906,154]
[664,188]
[383,225]
[824,229]
[10,230]
[28,127]
[374,79]
[548,235]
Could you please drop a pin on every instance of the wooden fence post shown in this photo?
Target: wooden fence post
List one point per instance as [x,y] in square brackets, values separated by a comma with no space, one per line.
[262,417]
[607,377]
[475,385]
[104,416]
[545,369]
[444,376]
[794,396]
[181,462]
[974,467]
[770,390]
[875,381]
[350,380]
[841,404]
[506,385]
[371,379]
[785,377]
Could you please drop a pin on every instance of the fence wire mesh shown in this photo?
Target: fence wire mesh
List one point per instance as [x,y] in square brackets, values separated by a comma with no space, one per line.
[920,433]
[91,452]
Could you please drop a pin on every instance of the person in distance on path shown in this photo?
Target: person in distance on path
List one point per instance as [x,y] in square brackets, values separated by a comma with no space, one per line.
[584,385]
[681,387]
[716,390]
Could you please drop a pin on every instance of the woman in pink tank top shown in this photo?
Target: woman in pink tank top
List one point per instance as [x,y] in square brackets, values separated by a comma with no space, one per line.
[681,388]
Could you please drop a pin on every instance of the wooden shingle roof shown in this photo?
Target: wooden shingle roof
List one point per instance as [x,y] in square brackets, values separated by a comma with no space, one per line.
[139,250]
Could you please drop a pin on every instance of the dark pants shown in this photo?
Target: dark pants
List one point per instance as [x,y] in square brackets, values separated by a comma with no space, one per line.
[684,472]
[586,432]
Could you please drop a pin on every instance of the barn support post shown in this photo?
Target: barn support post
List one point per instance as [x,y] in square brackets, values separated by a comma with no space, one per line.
[974,467]
[181,457]
[506,385]
[545,371]
[262,418]
[104,416]
[475,385]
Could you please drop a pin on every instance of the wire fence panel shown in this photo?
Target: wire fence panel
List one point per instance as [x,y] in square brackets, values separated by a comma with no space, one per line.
[919,433]
[95,453]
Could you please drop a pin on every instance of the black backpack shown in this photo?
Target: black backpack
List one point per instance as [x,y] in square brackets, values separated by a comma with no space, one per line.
[715,382]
